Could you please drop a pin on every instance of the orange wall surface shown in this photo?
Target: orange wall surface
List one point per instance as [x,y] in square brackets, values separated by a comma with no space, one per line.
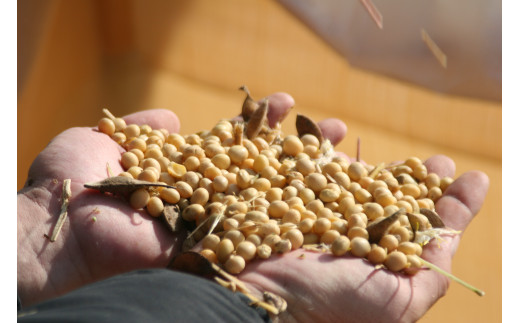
[77,57]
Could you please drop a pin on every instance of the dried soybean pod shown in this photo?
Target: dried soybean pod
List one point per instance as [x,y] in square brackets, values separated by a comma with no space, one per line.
[305,125]
[434,218]
[171,216]
[377,230]
[257,120]
[121,185]
[193,263]
[249,106]
[417,221]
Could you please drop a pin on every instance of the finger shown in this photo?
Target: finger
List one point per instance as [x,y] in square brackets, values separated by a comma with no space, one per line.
[333,129]
[280,104]
[463,199]
[457,207]
[460,203]
[156,118]
[440,165]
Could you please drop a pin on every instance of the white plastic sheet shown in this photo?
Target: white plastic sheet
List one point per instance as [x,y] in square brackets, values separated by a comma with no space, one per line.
[468,32]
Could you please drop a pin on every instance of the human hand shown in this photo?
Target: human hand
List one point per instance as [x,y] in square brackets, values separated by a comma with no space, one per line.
[320,287]
[127,239]
[101,236]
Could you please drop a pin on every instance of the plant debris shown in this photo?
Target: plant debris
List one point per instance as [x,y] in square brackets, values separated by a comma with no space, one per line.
[377,230]
[305,125]
[171,216]
[434,218]
[122,185]
[249,106]
[257,120]
[196,264]
[65,196]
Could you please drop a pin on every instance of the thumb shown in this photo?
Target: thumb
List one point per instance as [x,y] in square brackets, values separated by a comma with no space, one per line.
[156,118]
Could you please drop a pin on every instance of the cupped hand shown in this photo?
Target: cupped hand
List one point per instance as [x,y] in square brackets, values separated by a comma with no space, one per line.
[102,236]
[319,287]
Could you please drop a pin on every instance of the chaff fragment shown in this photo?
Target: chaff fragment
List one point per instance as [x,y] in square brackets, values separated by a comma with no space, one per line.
[373,12]
[65,195]
[436,51]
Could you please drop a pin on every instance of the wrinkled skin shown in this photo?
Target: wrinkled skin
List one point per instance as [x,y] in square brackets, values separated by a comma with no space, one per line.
[103,236]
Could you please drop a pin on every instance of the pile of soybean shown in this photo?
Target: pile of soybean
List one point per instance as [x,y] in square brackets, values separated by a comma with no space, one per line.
[252,192]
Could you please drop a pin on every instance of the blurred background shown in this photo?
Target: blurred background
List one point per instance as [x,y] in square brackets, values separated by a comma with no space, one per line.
[78,57]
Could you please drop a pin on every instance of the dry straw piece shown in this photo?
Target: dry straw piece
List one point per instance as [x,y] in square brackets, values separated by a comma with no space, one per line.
[435,49]
[373,12]
[247,191]
[65,196]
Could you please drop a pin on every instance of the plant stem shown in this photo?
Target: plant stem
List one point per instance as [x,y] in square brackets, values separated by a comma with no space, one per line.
[458,280]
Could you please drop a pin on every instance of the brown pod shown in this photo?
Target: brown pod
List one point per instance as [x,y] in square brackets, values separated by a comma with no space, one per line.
[189,243]
[122,185]
[171,217]
[193,263]
[249,106]
[305,125]
[416,222]
[434,218]
[257,120]
[377,230]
